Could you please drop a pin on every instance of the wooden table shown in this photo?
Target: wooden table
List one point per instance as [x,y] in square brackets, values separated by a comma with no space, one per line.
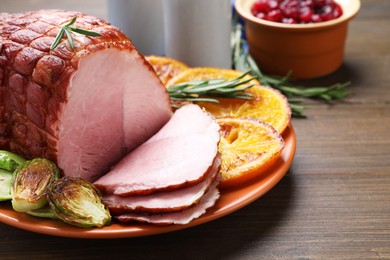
[334,202]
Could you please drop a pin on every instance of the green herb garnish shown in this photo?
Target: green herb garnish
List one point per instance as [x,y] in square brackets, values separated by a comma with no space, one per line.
[210,90]
[67,29]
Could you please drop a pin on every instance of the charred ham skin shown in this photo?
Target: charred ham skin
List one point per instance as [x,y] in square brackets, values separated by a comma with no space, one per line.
[34,80]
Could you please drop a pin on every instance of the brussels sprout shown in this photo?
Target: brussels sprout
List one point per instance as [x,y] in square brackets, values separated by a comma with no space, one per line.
[30,184]
[78,202]
[10,161]
[45,212]
[5,185]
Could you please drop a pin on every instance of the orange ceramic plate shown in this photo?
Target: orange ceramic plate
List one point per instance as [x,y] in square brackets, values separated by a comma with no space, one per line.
[230,201]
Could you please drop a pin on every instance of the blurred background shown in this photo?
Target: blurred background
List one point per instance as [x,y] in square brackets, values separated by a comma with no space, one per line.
[92,7]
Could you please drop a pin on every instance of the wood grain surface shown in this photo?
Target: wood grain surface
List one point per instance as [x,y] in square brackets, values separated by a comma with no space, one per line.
[334,202]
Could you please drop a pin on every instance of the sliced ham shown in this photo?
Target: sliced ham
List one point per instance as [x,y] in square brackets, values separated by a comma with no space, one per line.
[181,217]
[180,154]
[84,109]
[167,201]
[188,120]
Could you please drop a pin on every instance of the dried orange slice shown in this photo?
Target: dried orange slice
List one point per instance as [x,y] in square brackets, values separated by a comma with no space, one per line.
[248,147]
[268,105]
[166,68]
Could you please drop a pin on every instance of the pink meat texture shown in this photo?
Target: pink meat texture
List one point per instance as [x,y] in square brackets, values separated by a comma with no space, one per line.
[180,217]
[167,201]
[85,109]
[170,179]
[180,154]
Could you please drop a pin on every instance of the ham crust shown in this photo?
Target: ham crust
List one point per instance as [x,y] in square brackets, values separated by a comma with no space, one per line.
[85,108]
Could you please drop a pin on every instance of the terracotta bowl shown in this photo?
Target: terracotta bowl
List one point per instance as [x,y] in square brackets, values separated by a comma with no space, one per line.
[308,50]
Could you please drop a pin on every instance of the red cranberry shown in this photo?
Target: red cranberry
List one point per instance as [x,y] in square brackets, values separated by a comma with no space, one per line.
[260,15]
[296,11]
[308,3]
[326,17]
[316,18]
[289,20]
[337,11]
[320,3]
[306,14]
[274,16]
[273,4]
[290,9]
[260,6]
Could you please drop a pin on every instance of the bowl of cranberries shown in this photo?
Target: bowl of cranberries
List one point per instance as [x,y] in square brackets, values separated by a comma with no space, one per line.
[303,37]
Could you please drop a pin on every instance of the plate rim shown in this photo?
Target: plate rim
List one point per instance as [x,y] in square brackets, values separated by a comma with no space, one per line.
[256,188]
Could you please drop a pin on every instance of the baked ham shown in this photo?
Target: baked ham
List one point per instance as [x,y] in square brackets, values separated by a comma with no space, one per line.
[170,179]
[84,108]
[168,201]
[181,217]
[180,154]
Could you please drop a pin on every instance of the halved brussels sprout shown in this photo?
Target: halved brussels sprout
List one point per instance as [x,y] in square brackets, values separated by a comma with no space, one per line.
[30,184]
[44,212]
[5,185]
[10,161]
[78,202]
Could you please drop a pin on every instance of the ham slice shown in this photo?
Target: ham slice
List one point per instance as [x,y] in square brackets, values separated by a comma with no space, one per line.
[180,154]
[181,217]
[84,109]
[168,201]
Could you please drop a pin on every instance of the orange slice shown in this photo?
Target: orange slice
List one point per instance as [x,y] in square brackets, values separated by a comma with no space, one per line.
[248,147]
[166,68]
[268,104]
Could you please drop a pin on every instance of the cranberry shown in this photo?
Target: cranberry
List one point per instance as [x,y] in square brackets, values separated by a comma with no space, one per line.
[290,9]
[337,11]
[273,4]
[316,18]
[326,16]
[296,11]
[308,3]
[274,16]
[320,3]
[260,15]
[289,20]
[306,14]
[260,6]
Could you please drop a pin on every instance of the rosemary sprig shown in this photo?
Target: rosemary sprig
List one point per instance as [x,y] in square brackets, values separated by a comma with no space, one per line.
[242,60]
[211,90]
[67,29]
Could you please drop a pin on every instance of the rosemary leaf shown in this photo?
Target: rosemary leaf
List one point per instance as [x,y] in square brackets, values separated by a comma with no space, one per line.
[226,86]
[246,96]
[57,39]
[70,40]
[205,90]
[235,90]
[196,99]
[67,29]
[297,110]
[71,21]
[84,32]
[336,91]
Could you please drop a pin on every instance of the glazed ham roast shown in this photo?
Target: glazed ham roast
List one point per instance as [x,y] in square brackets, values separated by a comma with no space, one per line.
[101,113]
[84,108]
